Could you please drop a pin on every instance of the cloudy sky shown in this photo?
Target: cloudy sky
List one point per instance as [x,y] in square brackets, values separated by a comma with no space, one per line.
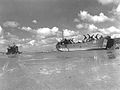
[37,24]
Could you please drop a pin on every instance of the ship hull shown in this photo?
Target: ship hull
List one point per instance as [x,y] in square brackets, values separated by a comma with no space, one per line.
[92,45]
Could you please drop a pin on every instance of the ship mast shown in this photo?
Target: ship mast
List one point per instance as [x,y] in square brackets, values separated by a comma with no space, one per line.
[62,34]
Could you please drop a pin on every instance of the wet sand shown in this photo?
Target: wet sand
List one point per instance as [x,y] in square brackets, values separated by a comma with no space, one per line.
[91,70]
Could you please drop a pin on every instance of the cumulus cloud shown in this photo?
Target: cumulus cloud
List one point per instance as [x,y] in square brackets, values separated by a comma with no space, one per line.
[39,44]
[118,8]
[34,21]
[109,31]
[92,27]
[104,2]
[84,15]
[32,42]
[26,28]
[68,33]
[11,38]
[82,25]
[106,31]
[3,41]
[89,27]
[79,26]
[115,11]
[49,36]
[48,41]
[12,24]
[1,32]
[76,20]
[93,20]
[44,32]
[116,14]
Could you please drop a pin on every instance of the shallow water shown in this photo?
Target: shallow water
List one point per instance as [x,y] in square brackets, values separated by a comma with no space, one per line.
[80,70]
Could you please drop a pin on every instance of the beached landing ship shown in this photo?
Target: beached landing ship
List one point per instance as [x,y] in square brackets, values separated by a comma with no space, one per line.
[101,43]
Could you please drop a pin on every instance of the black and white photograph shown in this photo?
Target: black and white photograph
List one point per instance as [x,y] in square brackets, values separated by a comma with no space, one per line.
[59,44]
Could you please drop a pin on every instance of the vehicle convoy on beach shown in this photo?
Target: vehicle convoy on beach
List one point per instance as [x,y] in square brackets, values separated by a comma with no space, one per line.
[101,43]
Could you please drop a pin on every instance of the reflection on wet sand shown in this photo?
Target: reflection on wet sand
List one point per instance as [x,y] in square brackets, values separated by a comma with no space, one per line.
[97,70]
